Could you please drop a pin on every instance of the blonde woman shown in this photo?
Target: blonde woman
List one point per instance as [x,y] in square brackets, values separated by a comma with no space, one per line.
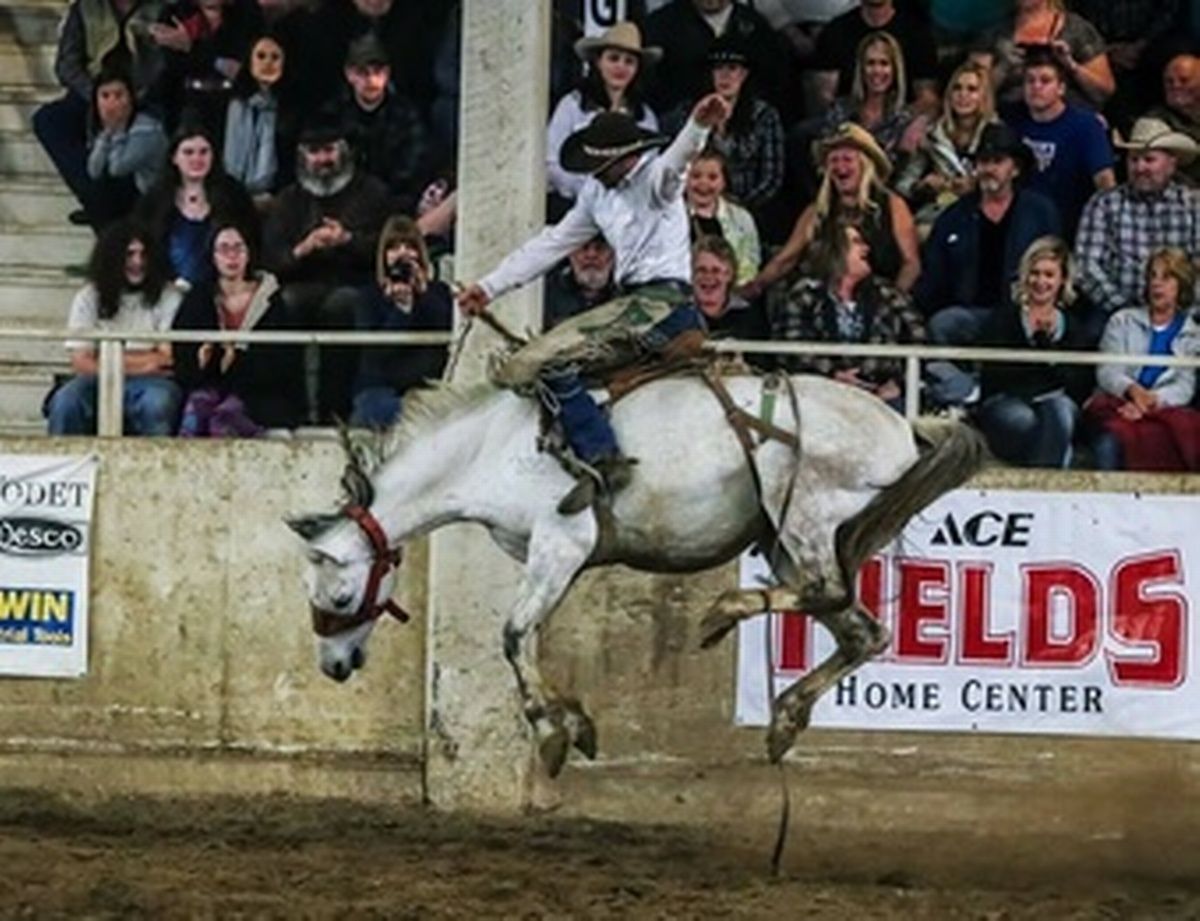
[943,167]
[1029,411]
[853,191]
[878,94]
[1140,415]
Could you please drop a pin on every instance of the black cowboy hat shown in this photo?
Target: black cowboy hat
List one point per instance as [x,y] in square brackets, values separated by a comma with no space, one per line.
[610,137]
[729,49]
[324,126]
[999,140]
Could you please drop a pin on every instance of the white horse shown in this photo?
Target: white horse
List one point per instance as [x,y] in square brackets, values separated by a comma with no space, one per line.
[820,506]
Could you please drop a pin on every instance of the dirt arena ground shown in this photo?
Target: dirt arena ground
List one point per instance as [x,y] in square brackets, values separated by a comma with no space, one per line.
[283,859]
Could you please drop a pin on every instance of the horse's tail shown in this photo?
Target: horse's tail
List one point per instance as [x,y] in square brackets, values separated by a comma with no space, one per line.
[952,453]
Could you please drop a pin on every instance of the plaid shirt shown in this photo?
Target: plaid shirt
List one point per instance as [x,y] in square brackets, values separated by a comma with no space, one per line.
[755,157]
[1119,230]
[883,315]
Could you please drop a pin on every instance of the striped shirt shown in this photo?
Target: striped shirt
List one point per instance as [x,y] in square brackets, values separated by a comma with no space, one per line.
[1119,230]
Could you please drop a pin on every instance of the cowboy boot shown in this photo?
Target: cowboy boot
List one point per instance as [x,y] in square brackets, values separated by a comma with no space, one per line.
[613,473]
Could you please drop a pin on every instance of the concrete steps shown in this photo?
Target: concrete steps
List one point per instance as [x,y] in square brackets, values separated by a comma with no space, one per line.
[36,242]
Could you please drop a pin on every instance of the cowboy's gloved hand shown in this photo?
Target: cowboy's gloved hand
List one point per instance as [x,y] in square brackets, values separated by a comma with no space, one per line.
[473,299]
[711,111]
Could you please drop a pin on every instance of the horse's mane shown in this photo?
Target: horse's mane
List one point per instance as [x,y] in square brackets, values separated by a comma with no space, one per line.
[427,408]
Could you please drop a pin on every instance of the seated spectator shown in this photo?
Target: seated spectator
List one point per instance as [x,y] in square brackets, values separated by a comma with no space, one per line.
[260,123]
[616,64]
[193,193]
[877,97]
[237,390]
[725,314]
[845,301]
[1029,411]
[1140,415]
[128,289]
[751,139]
[126,153]
[1134,31]
[942,169]
[1149,211]
[584,281]
[713,214]
[320,240]
[1071,152]
[973,253]
[1180,109]
[837,52]
[94,37]
[388,135]
[1045,28]
[853,190]
[685,29]
[404,298]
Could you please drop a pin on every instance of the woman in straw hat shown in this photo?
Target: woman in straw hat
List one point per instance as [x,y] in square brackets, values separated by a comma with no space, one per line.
[852,191]
[615,62]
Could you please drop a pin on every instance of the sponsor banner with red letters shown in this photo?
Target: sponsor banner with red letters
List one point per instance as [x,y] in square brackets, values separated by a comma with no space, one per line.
[45,536]
[1029,612]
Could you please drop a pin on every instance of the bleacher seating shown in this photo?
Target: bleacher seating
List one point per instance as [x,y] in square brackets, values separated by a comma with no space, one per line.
[36,242]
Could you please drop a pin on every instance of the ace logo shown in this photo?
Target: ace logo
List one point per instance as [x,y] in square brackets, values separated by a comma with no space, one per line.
[985,529]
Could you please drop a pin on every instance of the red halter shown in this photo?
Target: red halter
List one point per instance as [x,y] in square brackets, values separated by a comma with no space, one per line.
[383,560]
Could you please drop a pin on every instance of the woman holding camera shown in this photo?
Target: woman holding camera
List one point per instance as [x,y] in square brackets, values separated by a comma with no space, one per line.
[1030,410]
[404,298]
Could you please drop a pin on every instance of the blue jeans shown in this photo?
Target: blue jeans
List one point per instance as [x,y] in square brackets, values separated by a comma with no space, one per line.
[587,429]
[946,383]
[150,406]
[375,407]
[1028,433]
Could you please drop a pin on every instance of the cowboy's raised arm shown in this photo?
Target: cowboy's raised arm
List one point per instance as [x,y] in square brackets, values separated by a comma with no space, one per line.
[542,252]
[671,166]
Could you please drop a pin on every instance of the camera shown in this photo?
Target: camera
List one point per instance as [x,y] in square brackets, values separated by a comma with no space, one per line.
[400,271]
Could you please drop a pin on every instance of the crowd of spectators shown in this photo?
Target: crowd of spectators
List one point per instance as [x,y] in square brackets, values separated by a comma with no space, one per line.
[892,171]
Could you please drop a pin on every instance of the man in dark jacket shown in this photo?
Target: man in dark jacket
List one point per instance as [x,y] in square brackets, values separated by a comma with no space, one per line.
[970,259]
[320,242]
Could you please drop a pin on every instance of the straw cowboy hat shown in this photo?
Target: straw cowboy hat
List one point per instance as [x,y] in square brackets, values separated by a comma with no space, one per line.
[1155,134]
[849,134]
[611,136]
[625,36]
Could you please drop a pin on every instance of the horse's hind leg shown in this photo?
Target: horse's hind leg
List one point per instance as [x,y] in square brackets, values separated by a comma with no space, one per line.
[859,638]
[738,604]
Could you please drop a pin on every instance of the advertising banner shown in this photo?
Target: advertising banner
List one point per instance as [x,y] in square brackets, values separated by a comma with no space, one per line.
[45,536]
[1011,611]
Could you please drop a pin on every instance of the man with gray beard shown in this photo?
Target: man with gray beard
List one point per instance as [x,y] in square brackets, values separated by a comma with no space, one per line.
[583,282]
[971,258]
[319,240]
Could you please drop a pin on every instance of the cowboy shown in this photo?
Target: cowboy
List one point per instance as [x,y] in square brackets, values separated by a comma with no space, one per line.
[635,198]
[1152,209]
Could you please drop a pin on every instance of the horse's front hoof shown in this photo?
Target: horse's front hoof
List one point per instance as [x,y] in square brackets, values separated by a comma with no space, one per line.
[553,750]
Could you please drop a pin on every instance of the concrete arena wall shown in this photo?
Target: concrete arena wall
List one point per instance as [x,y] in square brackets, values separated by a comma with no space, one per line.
[202,680]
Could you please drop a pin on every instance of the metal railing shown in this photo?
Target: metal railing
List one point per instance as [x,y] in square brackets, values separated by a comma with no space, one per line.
[110,370]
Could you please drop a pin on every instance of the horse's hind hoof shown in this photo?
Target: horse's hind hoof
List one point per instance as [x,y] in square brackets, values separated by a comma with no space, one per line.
[553,751]
[585,736]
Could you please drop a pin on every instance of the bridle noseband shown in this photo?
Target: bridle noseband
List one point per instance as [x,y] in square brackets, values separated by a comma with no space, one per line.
[383,560]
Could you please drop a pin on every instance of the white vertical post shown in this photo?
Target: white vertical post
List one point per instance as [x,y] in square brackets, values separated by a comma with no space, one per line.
[110,383]
[479,754]
[912,387]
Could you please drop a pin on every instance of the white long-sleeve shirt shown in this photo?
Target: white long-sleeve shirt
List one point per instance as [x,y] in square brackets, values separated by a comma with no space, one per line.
[570,116]
[643,217]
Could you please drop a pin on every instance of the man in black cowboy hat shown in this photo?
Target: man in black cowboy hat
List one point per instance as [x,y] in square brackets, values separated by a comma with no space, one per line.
[634,197]
[973,251]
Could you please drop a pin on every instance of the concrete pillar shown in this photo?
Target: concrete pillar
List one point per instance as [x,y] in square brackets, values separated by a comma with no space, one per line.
[479,755]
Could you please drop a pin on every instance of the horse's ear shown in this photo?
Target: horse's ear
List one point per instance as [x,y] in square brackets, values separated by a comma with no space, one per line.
[357,486]
[310,527]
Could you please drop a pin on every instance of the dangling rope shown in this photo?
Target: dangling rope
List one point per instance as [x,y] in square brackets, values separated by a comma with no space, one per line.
[464,330]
